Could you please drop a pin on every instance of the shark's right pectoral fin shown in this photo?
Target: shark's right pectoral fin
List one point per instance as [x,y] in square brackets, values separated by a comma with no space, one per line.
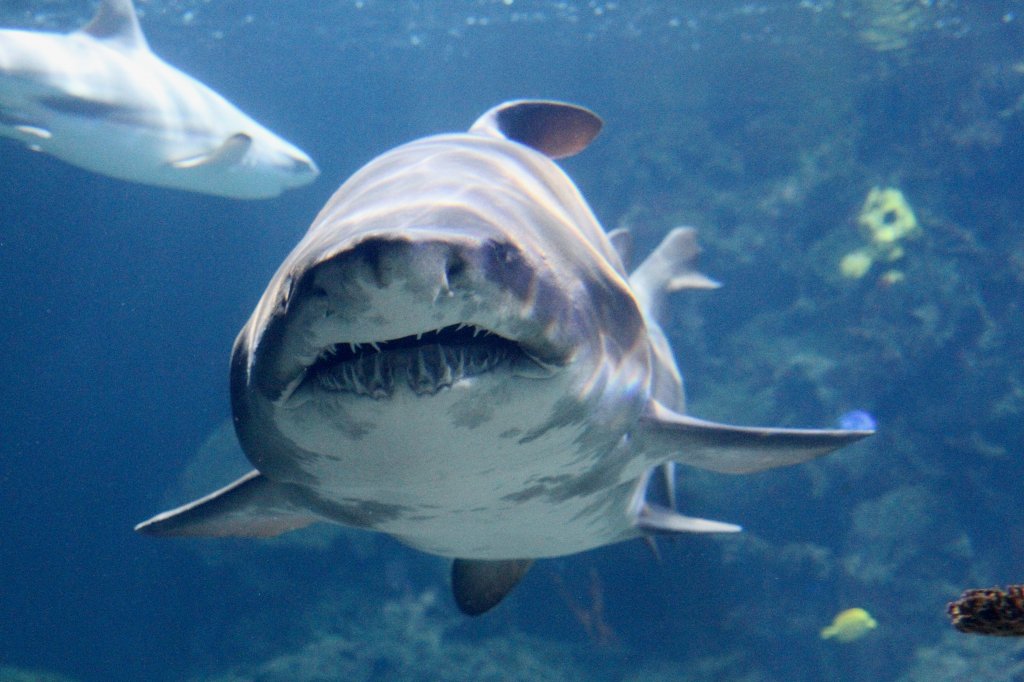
[733,449]
[227,154]
[252,506]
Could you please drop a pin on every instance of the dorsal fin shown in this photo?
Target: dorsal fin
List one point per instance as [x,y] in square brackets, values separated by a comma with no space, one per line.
[116,24]
[556,129]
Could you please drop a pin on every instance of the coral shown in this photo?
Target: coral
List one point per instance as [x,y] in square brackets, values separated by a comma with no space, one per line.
[956,658]
[886,219]
[856,264]
[888,25]
[406,639]
[887,534]
[990,611]
[11,674]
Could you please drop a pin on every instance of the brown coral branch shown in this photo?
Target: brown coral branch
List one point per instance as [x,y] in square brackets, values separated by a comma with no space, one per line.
[990,611]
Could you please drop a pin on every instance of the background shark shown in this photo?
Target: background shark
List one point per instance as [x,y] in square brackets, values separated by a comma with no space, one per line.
[98,98]
[455,355]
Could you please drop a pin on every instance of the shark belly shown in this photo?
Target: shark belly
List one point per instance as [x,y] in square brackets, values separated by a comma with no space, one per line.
[475,470]
[455,355]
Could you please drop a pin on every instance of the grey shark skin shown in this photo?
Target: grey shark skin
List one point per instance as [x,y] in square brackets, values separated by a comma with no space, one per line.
[455,355]
[100,99]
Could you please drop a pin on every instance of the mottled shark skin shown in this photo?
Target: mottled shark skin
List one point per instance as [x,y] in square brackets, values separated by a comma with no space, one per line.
[100,99]
[455,355]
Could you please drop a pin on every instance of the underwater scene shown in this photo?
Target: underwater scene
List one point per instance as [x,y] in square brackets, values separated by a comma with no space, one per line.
[852,171]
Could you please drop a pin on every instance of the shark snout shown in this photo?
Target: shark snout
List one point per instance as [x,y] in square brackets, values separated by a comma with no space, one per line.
[422,309]
[393,285]
[302,169]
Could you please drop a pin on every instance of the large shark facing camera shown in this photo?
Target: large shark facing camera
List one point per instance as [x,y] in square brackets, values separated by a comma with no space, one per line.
[455,355]
[100,99]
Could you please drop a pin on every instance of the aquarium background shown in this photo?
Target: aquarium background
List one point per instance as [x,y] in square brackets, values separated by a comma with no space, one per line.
[765,125]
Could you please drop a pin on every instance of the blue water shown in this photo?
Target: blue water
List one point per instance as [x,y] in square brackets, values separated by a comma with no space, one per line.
[764,125]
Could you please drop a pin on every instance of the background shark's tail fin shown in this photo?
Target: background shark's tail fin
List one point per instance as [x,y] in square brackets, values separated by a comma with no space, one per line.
[669,268]
[252,506]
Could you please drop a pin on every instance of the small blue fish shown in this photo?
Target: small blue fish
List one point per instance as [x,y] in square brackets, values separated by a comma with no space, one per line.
[857,420]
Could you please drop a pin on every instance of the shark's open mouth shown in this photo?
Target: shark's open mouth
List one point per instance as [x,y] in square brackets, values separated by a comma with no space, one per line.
[426,362]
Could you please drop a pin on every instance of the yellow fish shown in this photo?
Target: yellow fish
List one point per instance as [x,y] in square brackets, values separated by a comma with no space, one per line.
[849,625]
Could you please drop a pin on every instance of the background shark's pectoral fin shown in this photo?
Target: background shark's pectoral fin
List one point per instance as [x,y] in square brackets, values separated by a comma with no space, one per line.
[252,506]
[556,129]
[229,153]
[34,132]
[479,585]
[734,449]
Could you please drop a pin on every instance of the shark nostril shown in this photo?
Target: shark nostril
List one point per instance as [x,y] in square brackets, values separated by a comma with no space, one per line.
[454,269]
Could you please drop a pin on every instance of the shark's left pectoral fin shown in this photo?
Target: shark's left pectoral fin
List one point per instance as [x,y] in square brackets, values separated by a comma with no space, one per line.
[252,506]
[229,153]
[478,586]
[666,434]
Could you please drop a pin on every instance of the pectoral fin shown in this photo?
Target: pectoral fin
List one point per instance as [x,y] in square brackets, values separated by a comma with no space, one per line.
[479,585]
[229,153]
[655,519]
[733,449]
[653,513]
[252,506]
[34,131]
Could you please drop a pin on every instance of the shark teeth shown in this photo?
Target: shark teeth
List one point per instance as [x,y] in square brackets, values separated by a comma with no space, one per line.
[426,362]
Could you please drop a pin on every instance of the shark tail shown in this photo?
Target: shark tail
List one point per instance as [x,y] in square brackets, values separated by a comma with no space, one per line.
[669,268]
[252,506]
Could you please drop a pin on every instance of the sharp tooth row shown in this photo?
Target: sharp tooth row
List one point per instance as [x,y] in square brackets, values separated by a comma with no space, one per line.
[427,369]
[369,375]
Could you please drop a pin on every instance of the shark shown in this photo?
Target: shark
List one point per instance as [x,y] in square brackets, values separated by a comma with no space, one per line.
[456,355]
[100,99]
